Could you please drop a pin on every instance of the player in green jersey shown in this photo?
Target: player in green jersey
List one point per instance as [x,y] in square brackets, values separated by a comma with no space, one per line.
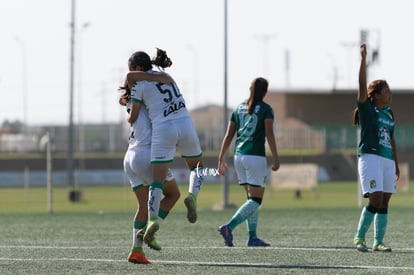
[377,157]
[252,123]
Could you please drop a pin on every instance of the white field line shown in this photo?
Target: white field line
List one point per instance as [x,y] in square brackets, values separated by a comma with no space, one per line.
[193,247]
[235,264]
[228,264]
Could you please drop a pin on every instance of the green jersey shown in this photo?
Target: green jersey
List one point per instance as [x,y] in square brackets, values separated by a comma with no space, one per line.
[251,129]
[377,130]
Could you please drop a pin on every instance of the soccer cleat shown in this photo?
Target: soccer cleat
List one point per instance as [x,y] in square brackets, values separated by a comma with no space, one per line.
[191,204]
[137,257]
[254,241]
[154,245]
[225,231]
[149,236]
[381,247]
[360,244]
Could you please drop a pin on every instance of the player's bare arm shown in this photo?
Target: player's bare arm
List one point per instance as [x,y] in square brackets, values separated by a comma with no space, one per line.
[135,76]
[362,92]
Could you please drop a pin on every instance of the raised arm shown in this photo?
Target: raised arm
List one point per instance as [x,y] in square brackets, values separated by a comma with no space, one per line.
[362,92]
[134,76]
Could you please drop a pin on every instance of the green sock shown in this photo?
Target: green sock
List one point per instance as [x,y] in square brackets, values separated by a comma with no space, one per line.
[380,227]
[139,224]
[138,249]
[365,221]
[252,223]
[162,214]
[244,211]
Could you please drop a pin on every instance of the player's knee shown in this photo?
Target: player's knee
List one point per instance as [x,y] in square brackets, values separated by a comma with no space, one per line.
[383,211]
[371,208]
[257,200]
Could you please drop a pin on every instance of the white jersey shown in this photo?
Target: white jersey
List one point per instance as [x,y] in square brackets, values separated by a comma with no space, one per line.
[140,130]
[164,101]
[137,159]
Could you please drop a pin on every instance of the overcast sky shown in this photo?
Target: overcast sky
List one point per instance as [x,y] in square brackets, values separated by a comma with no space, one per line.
[321,38]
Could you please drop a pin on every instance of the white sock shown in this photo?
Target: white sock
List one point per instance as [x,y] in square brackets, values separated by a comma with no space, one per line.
[196,180]
[135,241]
[155,196]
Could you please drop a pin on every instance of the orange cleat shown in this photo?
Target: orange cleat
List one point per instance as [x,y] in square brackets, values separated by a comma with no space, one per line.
[137,257]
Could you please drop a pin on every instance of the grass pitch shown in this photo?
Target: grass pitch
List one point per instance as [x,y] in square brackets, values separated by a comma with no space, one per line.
[312,235]
[119,198]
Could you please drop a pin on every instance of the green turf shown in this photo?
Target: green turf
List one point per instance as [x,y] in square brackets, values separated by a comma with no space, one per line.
[312,235]
[304,241]
[120,198]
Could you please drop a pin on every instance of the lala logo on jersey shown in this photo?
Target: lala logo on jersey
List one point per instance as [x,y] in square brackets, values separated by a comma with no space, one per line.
[174,108]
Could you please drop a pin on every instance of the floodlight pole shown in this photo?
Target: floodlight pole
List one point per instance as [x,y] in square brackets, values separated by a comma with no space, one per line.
[49,174]
[70,169]
[22,45]
[226,178]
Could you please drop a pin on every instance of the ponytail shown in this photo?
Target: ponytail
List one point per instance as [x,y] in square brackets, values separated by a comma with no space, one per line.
[257,92]
[161,60]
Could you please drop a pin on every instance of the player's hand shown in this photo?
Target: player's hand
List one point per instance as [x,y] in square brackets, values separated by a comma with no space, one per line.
[123,101]
[363,50]
[275,166]
[222,167]
[397,173]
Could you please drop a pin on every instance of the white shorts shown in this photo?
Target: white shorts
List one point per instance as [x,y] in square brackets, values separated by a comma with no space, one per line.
[376,173]
[137,167]
[174,135]
[251,169]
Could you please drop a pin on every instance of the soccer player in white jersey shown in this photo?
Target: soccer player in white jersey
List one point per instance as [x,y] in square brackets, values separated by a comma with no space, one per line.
[138,170]
[172,130]
[377,156]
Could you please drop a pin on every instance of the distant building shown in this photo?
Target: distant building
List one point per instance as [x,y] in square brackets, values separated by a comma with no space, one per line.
[330,113]
[304,120]
[210,125]
[87,138]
